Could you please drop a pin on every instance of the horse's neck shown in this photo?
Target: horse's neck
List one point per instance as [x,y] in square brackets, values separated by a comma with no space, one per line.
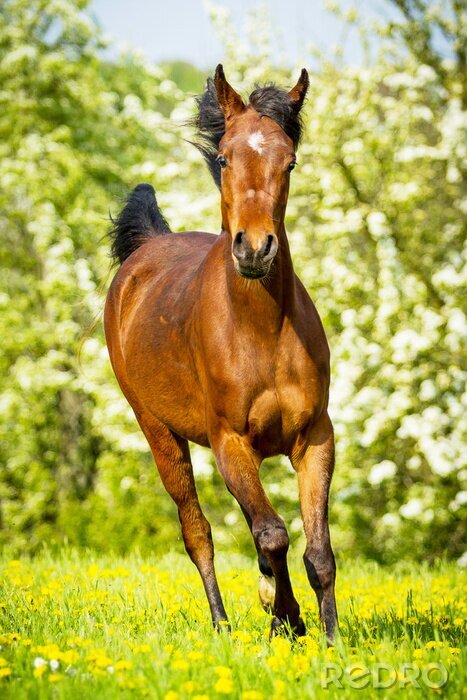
[263,302]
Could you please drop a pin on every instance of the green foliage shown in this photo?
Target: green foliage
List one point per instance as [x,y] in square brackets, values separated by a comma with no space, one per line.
[375,220]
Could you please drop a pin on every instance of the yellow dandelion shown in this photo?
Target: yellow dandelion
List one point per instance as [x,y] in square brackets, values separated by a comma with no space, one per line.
[180,665]
[242,636]
[68,657]
[39,671]
[311,646]
[188,686]
[432,644]
[255,649]
[141,649]
[279,686]
[224,685]
[5,672]
[223,671]
[301,663]
[252,695]
[102,661]
[281,646]
[171,695]
[274,662]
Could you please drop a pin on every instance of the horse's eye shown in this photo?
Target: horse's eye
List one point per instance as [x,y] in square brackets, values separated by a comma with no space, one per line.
[291,166]
[222,161]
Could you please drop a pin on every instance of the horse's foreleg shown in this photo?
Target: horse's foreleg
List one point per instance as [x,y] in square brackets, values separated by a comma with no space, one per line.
[239,466]
[314,468]
[173,461]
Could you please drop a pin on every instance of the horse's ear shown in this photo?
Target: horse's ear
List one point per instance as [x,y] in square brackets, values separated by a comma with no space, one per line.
[229,101]
[298,92]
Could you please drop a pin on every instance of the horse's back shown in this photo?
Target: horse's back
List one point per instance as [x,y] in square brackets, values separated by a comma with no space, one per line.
[175,257]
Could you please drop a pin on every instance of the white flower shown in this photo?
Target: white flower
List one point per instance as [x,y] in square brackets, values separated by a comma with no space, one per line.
[231,518]
[414,462]
[377,224]
[379,472]
[54,664]
[462,561]
[411,509]
[427,390]
[391,519]
[460,500]
[126,483]
[200,460]
[457,321]
[39,661]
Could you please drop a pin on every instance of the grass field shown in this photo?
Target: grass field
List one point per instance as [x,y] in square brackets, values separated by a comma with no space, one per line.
[79,626]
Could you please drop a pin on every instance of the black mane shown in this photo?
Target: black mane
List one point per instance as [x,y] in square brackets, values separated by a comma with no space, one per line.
[209,122]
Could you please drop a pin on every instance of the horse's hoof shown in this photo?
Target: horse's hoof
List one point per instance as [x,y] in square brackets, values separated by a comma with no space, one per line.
[222,626]
[280,626]
[267,592]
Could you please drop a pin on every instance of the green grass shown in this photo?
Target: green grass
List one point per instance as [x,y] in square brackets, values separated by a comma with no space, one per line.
[82,626]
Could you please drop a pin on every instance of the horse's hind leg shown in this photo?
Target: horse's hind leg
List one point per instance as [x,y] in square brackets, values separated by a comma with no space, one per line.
[314,469]
[174,465]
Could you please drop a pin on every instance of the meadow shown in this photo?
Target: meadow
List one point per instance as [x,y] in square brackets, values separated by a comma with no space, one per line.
[375,221]
[86,626]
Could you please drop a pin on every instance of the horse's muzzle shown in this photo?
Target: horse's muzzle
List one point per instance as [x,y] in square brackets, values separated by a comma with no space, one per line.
[251,263]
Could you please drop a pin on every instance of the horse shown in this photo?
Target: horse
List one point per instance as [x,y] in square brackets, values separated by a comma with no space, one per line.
[214,340]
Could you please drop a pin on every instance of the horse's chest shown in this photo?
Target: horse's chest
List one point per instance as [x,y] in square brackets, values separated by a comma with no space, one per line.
[276,417]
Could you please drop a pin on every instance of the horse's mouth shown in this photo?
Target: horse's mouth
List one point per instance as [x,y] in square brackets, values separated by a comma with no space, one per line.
[252,274]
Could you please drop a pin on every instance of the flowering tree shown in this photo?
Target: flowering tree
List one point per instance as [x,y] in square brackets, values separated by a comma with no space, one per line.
[375,223]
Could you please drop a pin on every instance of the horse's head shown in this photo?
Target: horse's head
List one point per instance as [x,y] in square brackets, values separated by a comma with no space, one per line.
[255,153]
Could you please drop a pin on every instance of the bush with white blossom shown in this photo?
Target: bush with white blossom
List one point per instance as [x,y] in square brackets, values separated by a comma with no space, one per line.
[375,222]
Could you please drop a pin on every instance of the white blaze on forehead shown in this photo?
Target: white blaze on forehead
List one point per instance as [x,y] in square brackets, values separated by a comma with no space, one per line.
[256,141]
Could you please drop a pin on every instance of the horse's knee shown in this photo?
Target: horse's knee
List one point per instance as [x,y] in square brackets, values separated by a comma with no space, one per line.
[273,541]
[321,569]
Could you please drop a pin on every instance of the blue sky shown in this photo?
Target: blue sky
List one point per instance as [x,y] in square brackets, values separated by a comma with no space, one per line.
[181,29]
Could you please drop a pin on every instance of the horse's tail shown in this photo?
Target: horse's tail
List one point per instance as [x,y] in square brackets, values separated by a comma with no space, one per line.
[139,220]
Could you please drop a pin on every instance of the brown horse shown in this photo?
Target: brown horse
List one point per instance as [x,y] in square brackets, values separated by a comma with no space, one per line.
[214,339]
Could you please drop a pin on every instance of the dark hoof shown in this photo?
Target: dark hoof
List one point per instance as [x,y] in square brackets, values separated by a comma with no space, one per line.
[222,626]
[284,627]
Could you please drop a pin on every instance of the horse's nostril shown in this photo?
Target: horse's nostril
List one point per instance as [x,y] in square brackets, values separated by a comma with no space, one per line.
[270,248]
[238,247]
[238,238]
[268,245]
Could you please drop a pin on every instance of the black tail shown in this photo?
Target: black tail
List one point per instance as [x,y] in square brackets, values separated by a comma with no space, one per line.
[139,220]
